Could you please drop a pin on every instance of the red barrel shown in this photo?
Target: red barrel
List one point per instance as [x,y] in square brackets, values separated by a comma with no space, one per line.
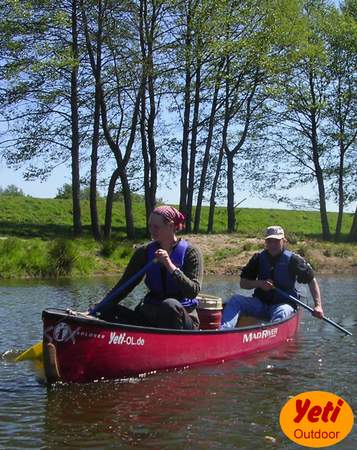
[209,312]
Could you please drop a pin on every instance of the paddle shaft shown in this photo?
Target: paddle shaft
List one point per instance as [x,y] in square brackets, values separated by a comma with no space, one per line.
[304,305]
[111,296]
[35,352]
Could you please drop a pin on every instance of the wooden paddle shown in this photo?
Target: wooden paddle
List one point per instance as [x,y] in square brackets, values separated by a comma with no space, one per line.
[304,305]
[36,351]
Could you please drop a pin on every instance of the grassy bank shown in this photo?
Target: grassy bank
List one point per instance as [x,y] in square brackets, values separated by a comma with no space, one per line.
[36,241]
[51,218]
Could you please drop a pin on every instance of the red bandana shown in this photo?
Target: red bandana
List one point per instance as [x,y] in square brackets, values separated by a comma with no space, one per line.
[171,214]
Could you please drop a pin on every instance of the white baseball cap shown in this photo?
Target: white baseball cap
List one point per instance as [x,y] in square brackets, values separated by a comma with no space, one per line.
[274,232]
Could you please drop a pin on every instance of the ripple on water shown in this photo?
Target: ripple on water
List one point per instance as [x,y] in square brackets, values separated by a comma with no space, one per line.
[232,405]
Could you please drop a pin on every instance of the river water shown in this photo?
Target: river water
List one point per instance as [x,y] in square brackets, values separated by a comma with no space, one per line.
[235,405]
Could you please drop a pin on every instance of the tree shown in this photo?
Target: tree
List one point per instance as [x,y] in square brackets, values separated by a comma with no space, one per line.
[258,41]
[153,39]
[12,191]
[64,192]
[188,11]
[40,62]
[95,62]
[120,86]
[341,32]
[299,146]
[314,129]
[350,9]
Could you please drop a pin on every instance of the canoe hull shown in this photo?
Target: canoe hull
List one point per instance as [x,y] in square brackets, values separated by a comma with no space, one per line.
[83,349]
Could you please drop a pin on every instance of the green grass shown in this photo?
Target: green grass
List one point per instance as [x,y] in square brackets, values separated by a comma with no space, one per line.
[49,218]
[36,236]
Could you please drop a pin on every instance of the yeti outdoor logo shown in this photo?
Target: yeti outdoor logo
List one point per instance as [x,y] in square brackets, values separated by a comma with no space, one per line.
[62,332]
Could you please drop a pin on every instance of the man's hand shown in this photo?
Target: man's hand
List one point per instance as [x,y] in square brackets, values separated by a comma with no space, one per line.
[266,285]
[318,312]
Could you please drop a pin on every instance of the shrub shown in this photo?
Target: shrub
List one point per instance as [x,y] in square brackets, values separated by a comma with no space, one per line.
[11,245]
[249,246]
[292,238]
[62,255]
[343,252]
[108,248]
[327,252]
[302,250]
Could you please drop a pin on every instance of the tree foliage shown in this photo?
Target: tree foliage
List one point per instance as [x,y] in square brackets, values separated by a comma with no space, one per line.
[12,191]
[205,96]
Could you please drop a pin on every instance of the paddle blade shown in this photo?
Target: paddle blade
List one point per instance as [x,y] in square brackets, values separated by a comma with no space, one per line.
[32,353]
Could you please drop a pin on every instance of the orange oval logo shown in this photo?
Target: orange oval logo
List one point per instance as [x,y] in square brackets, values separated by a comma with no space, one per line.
[316,419]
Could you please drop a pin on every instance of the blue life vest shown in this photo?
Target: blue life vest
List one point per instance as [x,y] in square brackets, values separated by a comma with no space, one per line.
[279,273]
[160,282]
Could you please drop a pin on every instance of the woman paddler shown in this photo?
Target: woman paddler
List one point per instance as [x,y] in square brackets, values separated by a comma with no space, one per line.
[173,282]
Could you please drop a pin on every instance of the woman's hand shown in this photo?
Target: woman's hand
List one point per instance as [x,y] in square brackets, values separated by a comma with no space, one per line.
[164,258]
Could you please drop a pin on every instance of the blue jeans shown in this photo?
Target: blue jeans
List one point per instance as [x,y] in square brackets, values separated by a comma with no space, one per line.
[252,306]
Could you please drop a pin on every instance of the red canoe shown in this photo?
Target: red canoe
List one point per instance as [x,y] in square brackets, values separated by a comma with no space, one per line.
[80,348]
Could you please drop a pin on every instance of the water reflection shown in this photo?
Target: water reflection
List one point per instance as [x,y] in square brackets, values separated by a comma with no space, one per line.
[129,412]
[162,408]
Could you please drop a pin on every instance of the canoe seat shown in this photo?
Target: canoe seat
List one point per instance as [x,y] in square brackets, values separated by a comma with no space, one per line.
[245,321]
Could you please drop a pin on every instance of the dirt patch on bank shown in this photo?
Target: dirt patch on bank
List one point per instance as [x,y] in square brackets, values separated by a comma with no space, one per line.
[227,254]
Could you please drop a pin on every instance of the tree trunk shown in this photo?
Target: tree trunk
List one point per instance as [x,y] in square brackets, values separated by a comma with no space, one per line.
[130,231]
[205,162]
[352,237]
[77,224]
[96,68]
[93,170]
[191,178]
[322,199]
[316,159]
[222,151]
[212,203]
[184,148]
[147,128]
[121,160]
[231,220]
[341,194]
[152,110]
[144,152]
[144,144]
[186,117]
[109,204]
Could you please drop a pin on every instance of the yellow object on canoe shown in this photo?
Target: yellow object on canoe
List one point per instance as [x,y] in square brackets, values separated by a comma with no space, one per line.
[32,353]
